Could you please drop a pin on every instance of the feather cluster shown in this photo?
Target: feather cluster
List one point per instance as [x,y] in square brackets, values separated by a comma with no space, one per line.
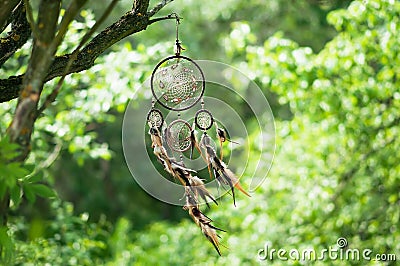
[194,186]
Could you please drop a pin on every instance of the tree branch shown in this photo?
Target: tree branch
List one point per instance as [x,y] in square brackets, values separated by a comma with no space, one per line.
[170,16]
[19,34]
[42,67]
[21,126]
[42,55]
[158,7]
[128,24]
[140,6]
[10,88]
[52,96]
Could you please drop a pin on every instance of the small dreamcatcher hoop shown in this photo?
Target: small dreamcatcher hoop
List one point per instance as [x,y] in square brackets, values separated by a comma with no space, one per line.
[155,118]
[178,135]
[204,119]
[177,83]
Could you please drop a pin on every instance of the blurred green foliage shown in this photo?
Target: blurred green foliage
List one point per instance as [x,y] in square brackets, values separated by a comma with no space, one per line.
[334,91]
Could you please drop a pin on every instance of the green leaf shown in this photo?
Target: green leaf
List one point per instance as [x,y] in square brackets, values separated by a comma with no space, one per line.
[16,196]
[30,167]
[29,193]
[7,150]
[34,178]
[43,191]
[7,246]
[13,170]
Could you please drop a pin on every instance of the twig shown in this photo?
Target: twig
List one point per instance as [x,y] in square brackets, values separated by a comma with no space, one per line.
[70,14]
[52,157]
[170,16]
[158,7]
[51,97]
[30,17]
[87,36]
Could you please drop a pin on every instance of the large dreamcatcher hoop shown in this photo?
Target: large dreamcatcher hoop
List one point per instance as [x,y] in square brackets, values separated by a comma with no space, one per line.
[177,83]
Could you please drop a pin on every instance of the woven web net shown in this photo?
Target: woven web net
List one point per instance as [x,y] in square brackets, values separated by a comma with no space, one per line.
[204,119]
[178,85]
[155,118]
[178,135]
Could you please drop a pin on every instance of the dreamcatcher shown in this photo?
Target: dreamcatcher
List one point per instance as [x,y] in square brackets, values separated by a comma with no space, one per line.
[178,84]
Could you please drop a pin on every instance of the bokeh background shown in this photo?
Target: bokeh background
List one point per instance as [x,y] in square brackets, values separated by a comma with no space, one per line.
[330,71]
